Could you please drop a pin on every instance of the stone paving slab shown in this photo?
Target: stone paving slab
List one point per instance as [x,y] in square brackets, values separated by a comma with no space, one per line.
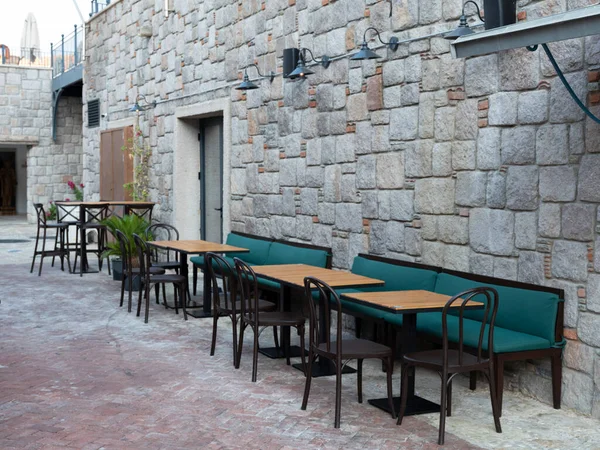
[77,371]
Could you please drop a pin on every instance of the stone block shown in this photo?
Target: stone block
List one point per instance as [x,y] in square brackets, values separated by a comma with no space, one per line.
[578,390]
[393,72]
[366,173]
[430,72]
[392,96]
[410,94]
[374,93]
[390,170]
[492,231]
[395,236]
[452,71]
[432,253]
[533,107]
[505,268]
[522,188]
[356,107]
[404,123]
[526,230]
[488,148]
[345,148]
[378,237]
[552,144]
[466,120]
[309,201]
[576,139]
[349,191]
[441,161]
[558,183]
[578,221]
[288,172]
[503,108]
[589,178]
[471,188]
[426,115]
[348,217]
[496,190]
[481,264]
[562,107]
[369,205]
[332,188]
[481,75]
[418,158]
[569,260]
[444,123]
[434,196]
[531,267]
[519,69]
[453,229]
[413,69]
[380,138]
[456,257]
[412,241]
[549,220]
[383,204]
[327,213]
[402,205]
[430,11]
[518,145]
[568,55]
[463,155]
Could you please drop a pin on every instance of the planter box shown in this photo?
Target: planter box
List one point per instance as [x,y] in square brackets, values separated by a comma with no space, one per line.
[117,273]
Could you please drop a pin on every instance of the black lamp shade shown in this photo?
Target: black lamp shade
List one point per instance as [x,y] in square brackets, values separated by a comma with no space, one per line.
[246,84]
[463,29]
[135,108]
[364,53]
[300,71]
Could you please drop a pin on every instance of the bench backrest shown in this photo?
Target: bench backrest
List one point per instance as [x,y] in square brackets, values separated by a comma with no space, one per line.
[259,248]
[290,253]
[522,307]
[398,275]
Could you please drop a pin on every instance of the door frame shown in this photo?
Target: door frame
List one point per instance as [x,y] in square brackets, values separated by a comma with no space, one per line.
[202,174]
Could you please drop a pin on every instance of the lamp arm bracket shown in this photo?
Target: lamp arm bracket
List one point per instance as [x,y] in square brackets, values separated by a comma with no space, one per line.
[325,60]
[271,75]
[476,6]
[392,44]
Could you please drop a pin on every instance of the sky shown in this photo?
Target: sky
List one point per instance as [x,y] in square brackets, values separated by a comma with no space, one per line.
[54,17]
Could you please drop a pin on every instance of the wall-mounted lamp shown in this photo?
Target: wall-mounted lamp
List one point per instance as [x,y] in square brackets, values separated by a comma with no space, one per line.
[302,70]
[366,53]
[136,107]
[463,28]
[247,85]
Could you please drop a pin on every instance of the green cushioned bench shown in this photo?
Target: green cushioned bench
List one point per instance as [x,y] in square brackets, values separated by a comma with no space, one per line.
[529,322]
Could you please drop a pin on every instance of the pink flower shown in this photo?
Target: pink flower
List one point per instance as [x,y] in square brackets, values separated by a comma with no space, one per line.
[50,201]
[81,185]
[67,199]
[71,184]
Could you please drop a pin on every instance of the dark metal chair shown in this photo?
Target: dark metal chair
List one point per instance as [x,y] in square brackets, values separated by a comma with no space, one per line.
[93,214]
[252,316]
[225,301]
[59,248]
[142,210]
[339,350]
[130,272]
[148,279]
[450,362]
[69,215]
[164,258]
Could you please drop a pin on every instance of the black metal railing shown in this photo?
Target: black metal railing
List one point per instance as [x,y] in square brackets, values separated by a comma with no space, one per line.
[24,57]
[68,52]
[98,5]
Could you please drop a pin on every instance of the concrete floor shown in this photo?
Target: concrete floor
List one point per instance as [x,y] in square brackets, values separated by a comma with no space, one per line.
[77,371]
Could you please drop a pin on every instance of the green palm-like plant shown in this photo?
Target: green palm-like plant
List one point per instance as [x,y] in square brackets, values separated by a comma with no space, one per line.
[129,225]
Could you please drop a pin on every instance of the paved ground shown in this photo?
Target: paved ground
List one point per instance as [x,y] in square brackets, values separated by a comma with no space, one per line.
[77,371]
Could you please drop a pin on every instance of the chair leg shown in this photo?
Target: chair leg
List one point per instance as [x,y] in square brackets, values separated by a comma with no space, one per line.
[390,392]
[214,332]
[286,346]
[164,291]
[499,381]
[55,246]
[183,300]
[443,408]
[301,333]
[359,371]
[43,252]
[473,380]
[157,292]
[403,393]
[308,379]
[338,392]
[556,361]
[255,355]
[357,327]
[234,331]
[195,278]
[122,290]
[449,399]
[494,397]
[240,344]
[37,239]
[176,300]
[147,302]
[276,339]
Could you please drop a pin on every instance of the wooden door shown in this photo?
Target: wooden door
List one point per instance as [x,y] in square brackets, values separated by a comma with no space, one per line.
[116,165]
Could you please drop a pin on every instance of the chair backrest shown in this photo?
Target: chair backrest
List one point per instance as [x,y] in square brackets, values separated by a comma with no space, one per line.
[41,214]
[216,264]
[143,211]
[313,287]
[144,257]
[162,232]
[67,213]
[94,213]
[486,295]
[248,286]
[125,247]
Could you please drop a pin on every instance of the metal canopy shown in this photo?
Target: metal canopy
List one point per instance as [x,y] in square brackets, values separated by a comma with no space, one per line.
[559,27]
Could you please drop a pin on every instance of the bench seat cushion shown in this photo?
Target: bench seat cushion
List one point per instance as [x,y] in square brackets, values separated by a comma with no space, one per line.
[280,253]
[259,248]
[522,310]
[197,260]
[396,277]
[505,340]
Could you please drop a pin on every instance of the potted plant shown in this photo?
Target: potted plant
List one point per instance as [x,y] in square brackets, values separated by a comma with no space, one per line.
[129,225]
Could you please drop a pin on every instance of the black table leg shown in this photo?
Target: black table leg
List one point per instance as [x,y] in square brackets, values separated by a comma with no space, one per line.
[285,303]
[206,310]
[415,404]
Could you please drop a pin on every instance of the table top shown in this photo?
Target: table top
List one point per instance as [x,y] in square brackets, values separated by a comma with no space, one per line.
[294,274]
[110,202]
[406,302]
[197,246]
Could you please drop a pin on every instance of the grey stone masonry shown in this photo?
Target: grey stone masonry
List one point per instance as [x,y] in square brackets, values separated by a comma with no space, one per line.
[482,164]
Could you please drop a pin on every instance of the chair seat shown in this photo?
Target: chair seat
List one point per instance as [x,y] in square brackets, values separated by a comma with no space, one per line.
[93,226]
[168,278]
[356,349]
[55,225]
[167,264]
[263,305]
[276,318]
[434,359]
[153,270]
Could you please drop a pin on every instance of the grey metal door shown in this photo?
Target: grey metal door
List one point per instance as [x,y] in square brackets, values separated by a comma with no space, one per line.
[211,179]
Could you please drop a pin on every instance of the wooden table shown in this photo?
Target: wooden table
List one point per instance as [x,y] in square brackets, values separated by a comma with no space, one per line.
[291,276]
[408,303]
[82,219]
[197,247]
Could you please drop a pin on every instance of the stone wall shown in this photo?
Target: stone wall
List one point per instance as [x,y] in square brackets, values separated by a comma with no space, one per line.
[483,165]
[26,119]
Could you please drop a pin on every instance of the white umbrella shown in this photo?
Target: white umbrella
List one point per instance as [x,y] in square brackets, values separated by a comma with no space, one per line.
[30,38]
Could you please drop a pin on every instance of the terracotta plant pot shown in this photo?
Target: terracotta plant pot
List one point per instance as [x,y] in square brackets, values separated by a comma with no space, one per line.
[499,13]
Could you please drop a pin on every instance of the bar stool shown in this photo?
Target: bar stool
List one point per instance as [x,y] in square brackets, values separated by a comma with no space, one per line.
[59,240]
[92,214]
